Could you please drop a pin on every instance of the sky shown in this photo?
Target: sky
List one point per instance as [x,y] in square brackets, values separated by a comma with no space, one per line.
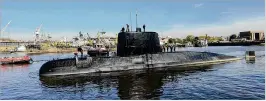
[174,18]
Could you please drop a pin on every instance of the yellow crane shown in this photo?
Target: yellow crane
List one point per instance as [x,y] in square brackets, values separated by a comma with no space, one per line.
[3,30]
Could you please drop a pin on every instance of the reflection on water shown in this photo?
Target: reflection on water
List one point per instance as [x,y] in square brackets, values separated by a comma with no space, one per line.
[243,79]
[250,59]
[130,85]
[147,86]
[11,67]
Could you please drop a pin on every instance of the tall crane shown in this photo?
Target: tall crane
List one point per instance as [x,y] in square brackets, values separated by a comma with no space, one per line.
[2,30]
[38,29]
[37,32]
[99,36]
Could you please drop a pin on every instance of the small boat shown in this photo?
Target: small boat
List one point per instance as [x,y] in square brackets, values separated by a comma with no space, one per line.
[99,50]
[21,48]
[15,60]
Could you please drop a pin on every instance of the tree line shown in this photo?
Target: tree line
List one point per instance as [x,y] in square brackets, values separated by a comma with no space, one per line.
[192,39]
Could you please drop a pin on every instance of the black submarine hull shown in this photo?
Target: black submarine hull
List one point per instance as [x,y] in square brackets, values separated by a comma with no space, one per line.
[89,65]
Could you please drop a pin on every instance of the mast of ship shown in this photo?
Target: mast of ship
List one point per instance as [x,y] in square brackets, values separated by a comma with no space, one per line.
[136,20]
[130,22]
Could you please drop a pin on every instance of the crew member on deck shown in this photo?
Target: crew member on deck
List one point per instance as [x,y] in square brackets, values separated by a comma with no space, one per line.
[123,29]
[127,28]
[144,27]
[167,47]
[174,47]
[80,50]
[163,47]
[171,48]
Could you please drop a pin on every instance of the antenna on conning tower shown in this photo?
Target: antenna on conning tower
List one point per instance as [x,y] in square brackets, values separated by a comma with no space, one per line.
[130,22]
[136,20]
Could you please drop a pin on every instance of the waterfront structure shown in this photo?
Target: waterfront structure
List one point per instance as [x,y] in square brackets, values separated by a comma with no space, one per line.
[252,35]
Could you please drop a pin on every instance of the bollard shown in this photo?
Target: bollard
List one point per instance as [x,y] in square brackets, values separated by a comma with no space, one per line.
[76,57]
[171,49]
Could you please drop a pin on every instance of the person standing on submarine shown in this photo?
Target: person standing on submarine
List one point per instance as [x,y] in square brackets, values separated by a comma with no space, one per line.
[175,47]
[123,29]
[167,47]
[79,49]
[171,47]
[144,26]
[127,30]
[163,47]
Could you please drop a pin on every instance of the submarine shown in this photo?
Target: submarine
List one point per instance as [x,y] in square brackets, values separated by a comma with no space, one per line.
[136,50]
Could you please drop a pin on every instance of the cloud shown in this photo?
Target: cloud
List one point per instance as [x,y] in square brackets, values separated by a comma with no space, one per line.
[252,24]
[198,5]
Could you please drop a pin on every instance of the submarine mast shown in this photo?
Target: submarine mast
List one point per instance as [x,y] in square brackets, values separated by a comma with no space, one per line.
[130,22]
[136,20]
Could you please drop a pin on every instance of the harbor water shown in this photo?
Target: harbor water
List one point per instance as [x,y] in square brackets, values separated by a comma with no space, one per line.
[242,79]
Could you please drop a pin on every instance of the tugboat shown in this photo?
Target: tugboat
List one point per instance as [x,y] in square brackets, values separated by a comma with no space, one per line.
[15,60]
[135,50]
[98,49]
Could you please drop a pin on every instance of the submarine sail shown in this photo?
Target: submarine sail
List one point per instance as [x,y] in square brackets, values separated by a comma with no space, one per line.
[137,43]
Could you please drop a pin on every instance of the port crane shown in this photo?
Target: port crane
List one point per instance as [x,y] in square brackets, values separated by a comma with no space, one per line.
[37,32]
[38,29]
[3,30]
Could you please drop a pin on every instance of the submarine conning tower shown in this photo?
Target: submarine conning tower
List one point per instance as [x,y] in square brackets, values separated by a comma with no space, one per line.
[138,43]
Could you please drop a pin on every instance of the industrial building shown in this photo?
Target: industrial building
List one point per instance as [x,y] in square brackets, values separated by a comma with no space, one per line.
[252,35]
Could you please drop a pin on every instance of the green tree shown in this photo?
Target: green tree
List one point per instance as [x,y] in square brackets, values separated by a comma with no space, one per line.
[232,37]
[178,40]
[220,39]
[170,40]
[184,41]
[189,38]
[90,43]
[202,37]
